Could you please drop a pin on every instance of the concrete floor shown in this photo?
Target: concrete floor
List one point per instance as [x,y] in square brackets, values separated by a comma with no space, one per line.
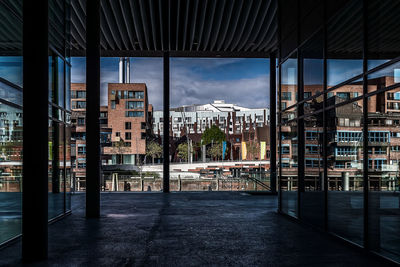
[188,229]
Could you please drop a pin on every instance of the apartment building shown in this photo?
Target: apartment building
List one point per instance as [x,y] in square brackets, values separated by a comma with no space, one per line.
[230,118]
[78,133]
[344,136]
[130,118]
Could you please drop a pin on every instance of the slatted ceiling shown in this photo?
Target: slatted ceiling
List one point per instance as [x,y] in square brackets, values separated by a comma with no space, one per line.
[194,26]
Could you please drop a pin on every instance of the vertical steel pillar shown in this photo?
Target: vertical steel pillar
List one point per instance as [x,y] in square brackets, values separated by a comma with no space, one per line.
[166,124]
[325,124]
[93,108]
[365,129]
[272,117]
[35,146]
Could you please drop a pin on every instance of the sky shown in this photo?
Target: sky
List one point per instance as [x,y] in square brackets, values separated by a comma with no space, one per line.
[244,82]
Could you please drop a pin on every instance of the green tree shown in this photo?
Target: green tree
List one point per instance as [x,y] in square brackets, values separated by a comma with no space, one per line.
[154,150]
[252,149]
[183,151]
[213,135]
[215,151]
[119,149]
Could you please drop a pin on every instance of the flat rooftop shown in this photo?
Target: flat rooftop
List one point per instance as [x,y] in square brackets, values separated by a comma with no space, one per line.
[189,229]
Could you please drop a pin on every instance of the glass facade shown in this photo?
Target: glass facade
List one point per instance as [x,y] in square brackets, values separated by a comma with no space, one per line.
[338,152]
[11,115]
[10,122]
[59,183]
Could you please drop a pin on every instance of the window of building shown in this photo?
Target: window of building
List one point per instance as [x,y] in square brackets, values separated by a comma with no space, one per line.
[81,121]
[119,94]
[128,125]
[128,135]
[283,105]
[112,104]
[339,164]
[78,104]
[287,96]
[285,165]
[378,137]
[134,104]
[343,95]
[143,125]
[139,95]
[311,136]
[312,149]
[81,165]
[134,114]
[307,95]
[128,144]
[125,94]
[380,150]
[346,151]
[112,92]
[285,150]
[81,150]
[117,134]
[143,135]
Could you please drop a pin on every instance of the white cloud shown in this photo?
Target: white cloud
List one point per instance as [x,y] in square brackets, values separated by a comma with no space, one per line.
[187,86]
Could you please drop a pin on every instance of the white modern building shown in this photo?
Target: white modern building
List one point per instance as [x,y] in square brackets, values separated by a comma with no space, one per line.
[198,117]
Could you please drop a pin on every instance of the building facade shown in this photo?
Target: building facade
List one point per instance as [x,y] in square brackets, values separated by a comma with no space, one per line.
[230,118]
[130,118]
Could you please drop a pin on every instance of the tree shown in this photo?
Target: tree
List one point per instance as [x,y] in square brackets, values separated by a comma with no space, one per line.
[252,149]
[154,150]
[119,148]
[183,151]
[213,135]
[215,151]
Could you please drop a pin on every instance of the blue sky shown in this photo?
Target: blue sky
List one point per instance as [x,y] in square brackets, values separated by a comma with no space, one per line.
[193,80]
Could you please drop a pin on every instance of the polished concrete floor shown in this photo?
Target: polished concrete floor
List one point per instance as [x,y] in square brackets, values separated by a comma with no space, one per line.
[188,229]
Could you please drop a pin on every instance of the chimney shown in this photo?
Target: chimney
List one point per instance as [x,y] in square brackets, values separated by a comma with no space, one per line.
[124,70]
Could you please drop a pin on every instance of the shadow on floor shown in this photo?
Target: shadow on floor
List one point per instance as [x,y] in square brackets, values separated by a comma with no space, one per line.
[188,229]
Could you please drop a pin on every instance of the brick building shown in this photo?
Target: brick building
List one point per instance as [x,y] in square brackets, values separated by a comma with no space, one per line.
[130,118]
[78,133]
[344,138]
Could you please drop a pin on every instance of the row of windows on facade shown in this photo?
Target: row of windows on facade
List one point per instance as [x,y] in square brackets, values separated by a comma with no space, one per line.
[377,164]
[340,151]
[221,119]
[344,95]
[124,94]
[129,104]
[128,135]
[78,94]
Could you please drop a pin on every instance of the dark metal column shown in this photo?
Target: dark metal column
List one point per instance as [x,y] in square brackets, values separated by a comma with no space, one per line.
[272,117]
[35,130]
[92,109]
[300,133]
[365,129]
[166,124]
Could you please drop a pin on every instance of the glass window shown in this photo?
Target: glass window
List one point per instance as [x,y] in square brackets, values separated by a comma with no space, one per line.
[134,104]
[134,114]
[60,82]
[139,95]
[112,104]
[345,172]
[128,125]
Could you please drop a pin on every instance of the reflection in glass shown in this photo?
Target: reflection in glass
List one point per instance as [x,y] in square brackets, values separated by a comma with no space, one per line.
[345,171]
[383,170]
